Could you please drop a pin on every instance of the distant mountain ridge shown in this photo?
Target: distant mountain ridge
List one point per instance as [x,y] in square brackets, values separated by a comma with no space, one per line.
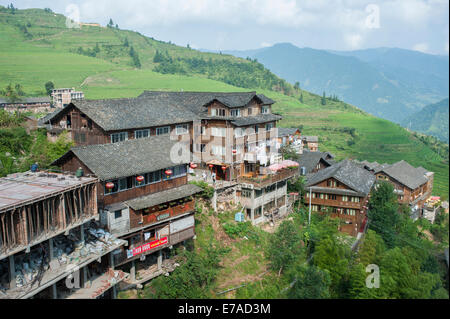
[387,82]
[431,120]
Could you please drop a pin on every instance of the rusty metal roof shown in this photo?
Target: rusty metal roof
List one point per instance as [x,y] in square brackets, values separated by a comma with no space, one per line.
[23,188]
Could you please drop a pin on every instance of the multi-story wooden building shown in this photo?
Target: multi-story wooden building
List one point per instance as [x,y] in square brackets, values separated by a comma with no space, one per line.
[342,191]
[143,195]
[235,131]
[50,243]
[413,186]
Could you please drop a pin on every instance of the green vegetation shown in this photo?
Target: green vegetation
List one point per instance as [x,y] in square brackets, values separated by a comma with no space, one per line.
[431,120]
[18,149]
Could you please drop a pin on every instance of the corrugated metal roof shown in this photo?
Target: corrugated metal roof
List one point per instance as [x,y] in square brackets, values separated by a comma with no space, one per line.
[21,188]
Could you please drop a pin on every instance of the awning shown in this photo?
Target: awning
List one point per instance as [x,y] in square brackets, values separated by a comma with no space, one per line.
[163,197]
[216,162]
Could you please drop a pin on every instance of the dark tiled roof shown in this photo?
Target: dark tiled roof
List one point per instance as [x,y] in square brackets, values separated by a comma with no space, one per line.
[163,197]
[336,191]
[406,174]
[256,119]
[128,158]
[121,114]
[155,108]
[309,160]
[27,100]
[313,139]
[265,100]
[286,131]
[196,100]
[348,173]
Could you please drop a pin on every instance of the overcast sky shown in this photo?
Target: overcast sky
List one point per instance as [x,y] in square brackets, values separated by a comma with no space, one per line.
[249,24]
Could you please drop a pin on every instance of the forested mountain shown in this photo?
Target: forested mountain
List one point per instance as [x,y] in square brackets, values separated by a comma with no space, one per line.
[389,83]
[431,120]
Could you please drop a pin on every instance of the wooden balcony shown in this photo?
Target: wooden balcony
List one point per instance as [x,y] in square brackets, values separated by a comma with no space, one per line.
[260,181]
[333,203]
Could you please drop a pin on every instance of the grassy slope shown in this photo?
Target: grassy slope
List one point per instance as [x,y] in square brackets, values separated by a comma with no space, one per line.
[47,56]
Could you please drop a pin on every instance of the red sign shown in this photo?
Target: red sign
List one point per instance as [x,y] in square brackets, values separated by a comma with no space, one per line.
[150,245]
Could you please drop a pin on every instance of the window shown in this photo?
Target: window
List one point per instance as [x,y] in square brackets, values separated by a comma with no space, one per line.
[257,212]
[182,129]
[269,126]
[331,183]
[239,132]
[265,109]
[200,130]
[141,133]
[177,171]
[249,111]
[258,192]
[218,150]
[152,177]
[236,113]
[256,129]
[125,183]
[217,112]
[117,214]
[355,199]
[345,198]
[333,197]
[162,130]
[218,131]
[119,137]
[246,193]
[199,148]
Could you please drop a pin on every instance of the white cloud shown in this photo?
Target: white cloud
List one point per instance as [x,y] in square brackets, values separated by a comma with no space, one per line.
[354,41]
[422,47]
[265,44]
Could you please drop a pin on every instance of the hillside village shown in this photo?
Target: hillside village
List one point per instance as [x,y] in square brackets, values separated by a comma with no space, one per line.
[127,194]
[154,170]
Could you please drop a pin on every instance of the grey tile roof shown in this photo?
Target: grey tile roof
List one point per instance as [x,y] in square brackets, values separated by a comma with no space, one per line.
[286,131]
[196,100]
[265,100]
[27,100]
[313,139]
[256,119]
[336,191]
[163,197]
[348,173]
[121,114]
[127,158]
[406,174]
[155,108]
[309,160]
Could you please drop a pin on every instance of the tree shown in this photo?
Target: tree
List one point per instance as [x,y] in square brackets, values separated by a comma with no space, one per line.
[383,213]
[311,283]
[297,86]
[49,87]
[284,247]
[125,43]
[117,26]
[324,99]
[371,249]
[331,255]
[301,97]
[110,23]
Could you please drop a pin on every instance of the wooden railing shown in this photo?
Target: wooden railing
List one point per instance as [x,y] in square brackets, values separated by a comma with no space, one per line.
[264,180]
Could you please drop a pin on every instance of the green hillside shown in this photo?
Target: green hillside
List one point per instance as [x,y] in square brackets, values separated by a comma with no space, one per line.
[431,120]
[36,47]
